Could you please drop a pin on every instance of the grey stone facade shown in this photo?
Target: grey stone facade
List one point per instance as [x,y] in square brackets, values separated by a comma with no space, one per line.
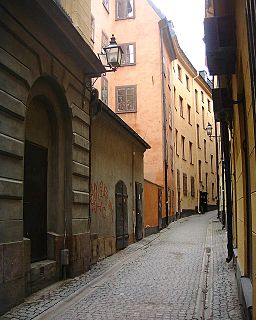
[43,100]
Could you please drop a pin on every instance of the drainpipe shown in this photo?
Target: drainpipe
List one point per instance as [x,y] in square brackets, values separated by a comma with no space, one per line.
[226,154]
[217,170]
[164,127]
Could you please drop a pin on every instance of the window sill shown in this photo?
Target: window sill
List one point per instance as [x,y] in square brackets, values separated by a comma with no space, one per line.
[120,112]
[127,65]
[127,18]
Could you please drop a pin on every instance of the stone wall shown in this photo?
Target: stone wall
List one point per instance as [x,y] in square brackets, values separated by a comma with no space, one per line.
[37,59]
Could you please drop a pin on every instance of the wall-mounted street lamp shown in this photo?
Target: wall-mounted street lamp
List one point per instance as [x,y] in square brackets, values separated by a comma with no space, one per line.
[111,56]
[209,131]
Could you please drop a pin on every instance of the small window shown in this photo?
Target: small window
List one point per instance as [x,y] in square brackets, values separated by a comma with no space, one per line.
[169,78]
[181,106]
[203,121]
[170,116]
[198,136]
[104,40]
[183,147]
[178,179]
[200,170]
[196,100]
[213,193]
[185,185]
[187,83]
[212,164]
[104,90]
[126,99]
[191,152]
[189,114]
[209,105]
[176,141]
[128,57]
[106,4]
[179,73]
[92,28]
[202,96]
[171,156]
[192,180]
[174,97]
[124,9]
[205,153]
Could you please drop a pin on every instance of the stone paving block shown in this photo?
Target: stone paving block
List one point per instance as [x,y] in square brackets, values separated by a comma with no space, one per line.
[158,278]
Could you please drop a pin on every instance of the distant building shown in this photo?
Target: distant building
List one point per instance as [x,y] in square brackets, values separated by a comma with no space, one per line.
[147,92]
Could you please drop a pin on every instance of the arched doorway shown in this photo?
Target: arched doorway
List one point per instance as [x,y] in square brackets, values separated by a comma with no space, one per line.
[122,235]
[47,167]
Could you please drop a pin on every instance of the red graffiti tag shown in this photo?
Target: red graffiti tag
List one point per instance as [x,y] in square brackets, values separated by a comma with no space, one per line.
[99,200]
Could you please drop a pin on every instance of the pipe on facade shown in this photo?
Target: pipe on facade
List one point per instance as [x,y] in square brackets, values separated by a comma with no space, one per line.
[226,154]
[217,170]
[164,126]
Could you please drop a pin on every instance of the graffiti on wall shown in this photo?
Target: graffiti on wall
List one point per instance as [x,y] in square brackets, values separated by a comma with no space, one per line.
[100,201]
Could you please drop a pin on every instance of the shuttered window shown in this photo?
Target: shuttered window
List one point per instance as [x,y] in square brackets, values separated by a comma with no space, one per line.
[128,57]
[185,184]
[106,4]
[126,99]
[124,9]
[104,90]
[178,179]
[192,180]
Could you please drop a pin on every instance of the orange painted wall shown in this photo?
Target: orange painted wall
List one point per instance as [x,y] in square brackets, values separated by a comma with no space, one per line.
[151,205]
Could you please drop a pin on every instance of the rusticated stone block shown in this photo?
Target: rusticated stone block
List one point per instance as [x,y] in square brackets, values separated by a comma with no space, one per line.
[108,247]
[1,263]
[27,254]
[101,245]
[80,253]
[11,294]
[13,254]
[95,251]
[113,245]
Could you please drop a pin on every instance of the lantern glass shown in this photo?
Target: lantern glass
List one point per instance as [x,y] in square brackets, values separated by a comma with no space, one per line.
[103,59]
[112,54]
[209,130]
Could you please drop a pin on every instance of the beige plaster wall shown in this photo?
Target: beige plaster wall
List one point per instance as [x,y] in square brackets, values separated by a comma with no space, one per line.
[115,156]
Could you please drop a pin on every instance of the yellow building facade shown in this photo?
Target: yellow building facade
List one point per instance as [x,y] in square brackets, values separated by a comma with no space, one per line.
[141,92]
[234,105]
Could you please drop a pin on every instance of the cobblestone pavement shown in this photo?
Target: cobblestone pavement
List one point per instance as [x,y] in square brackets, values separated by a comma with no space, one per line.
[179,273]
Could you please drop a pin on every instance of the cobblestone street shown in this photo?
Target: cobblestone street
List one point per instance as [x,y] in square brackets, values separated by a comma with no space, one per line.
[179,273]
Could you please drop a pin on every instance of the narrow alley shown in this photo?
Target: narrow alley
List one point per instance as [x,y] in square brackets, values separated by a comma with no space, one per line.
[179,273]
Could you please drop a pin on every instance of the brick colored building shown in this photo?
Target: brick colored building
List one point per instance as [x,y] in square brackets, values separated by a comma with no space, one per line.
[144,93]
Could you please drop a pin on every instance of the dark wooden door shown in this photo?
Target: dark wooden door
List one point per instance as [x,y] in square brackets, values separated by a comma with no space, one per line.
[121,216]
[159,209]
[139,211]
[179,202]
[35,200]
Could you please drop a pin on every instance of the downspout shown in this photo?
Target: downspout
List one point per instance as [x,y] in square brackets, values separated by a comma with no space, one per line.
[197,157]
[217,170]
[164,128]
[226,153]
